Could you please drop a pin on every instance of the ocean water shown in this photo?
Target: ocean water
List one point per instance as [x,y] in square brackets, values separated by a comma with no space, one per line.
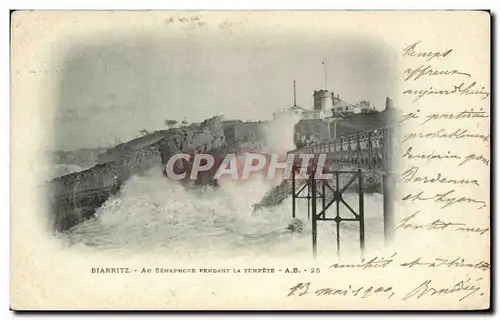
[152,213]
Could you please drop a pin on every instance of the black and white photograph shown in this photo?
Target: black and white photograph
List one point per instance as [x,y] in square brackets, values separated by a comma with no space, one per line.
[153,99]
[218,150]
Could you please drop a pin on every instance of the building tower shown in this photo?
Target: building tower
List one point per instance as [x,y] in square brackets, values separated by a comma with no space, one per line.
[388,103]
[321,98]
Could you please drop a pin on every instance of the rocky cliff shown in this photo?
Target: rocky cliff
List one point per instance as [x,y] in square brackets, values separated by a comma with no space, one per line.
[76,196]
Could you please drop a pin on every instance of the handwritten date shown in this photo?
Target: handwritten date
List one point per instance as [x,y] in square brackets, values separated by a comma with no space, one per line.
[363,292]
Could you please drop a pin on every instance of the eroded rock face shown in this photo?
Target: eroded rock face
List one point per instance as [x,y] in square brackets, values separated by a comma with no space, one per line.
[76,196]
[242,136]
[138,162]
[208,136]
[131,147]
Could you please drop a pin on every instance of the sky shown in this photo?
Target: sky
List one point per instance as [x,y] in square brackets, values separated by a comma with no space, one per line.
[113,86]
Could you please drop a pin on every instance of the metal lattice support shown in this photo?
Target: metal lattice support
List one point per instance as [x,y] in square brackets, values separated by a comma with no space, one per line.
[304,191]
[337,200]
[299,194]
[371,151]
[313,195]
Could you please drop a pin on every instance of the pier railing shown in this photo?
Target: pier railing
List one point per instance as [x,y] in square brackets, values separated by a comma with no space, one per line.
[366,150]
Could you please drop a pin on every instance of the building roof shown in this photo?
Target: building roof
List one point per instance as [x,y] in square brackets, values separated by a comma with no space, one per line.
[292,108]
[297,108]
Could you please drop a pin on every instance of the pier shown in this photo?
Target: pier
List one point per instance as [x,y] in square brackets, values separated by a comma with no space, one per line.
[356,162]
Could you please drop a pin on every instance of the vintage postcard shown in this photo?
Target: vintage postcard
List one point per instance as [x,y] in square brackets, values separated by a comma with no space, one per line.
[250,160]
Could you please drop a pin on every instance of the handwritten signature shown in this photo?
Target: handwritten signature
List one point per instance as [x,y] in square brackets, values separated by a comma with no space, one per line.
[426,289]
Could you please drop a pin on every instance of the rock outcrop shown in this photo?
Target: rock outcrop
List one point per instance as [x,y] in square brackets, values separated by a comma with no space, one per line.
[76,196]
[208,136]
